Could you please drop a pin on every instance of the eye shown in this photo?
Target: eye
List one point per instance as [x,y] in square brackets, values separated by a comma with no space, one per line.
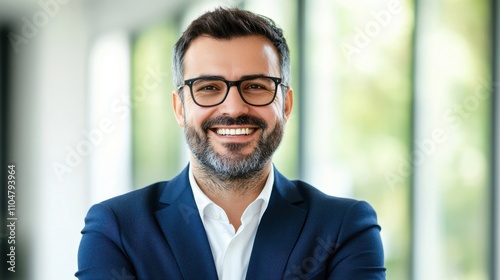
[255,86]
[259,84]
[208,86]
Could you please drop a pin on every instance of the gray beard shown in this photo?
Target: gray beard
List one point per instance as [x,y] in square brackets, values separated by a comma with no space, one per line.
[234,166]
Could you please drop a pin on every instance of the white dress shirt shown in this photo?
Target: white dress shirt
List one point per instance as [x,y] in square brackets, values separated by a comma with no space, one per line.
[231,250]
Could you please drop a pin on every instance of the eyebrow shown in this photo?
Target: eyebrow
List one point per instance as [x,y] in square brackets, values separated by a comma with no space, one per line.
[222,77]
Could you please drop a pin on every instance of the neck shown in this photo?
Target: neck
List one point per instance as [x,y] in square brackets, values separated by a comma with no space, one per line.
[234,195]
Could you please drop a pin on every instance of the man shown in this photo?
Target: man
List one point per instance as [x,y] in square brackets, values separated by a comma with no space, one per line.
[230,214]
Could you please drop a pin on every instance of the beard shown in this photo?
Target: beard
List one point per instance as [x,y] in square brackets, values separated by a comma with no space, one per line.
[234,165]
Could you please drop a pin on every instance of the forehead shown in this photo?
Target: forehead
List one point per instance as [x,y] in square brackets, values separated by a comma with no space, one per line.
[231,58]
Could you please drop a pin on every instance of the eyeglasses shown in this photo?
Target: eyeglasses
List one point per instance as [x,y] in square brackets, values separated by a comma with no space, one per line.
[212,91]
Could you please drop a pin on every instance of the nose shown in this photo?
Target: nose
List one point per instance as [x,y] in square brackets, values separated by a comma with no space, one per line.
[233,105]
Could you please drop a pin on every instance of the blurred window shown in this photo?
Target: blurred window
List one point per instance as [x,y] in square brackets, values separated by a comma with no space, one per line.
[109,117]
[399,119]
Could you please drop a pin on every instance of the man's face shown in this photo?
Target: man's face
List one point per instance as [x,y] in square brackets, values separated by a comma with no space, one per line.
[232,140]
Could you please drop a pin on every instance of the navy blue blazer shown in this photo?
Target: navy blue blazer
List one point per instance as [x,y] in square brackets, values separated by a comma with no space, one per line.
[156,233]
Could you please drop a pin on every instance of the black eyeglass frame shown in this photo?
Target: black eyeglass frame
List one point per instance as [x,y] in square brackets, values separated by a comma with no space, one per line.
[229,84]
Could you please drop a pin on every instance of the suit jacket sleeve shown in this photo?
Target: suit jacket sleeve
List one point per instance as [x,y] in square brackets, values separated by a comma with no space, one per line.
[101,254]
[358,250]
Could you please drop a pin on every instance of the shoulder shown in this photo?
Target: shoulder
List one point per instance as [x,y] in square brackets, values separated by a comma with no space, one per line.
[316,202]
[346,229]
[300,191]
[338,209]
[138,204]
[143,197]
[315,197]
[150,198]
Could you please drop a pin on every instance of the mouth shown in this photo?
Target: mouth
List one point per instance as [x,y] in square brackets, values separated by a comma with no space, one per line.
[233,131]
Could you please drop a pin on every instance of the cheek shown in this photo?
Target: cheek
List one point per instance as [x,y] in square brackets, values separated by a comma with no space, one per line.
[278,110]
[196,115]
[272,116]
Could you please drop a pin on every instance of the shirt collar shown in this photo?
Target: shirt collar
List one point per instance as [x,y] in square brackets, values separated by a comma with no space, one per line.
[202,201]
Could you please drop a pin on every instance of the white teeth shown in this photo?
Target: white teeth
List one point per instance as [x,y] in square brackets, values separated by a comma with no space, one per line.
[234,131]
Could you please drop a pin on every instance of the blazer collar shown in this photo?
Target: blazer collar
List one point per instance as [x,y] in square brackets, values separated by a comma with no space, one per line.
[184,231]
[278,231]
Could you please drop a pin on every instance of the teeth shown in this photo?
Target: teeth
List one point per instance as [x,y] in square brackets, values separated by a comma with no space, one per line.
[234,131]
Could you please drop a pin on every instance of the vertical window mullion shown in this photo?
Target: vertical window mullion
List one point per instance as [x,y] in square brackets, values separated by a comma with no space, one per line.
[495,151]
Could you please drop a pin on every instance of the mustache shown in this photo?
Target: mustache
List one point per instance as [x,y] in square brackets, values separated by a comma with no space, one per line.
[240,120]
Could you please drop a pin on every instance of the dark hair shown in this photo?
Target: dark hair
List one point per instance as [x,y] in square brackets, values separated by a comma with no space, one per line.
[226,24]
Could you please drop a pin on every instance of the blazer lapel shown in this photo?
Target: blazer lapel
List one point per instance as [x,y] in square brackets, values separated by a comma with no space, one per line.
[278,231]
[182,226]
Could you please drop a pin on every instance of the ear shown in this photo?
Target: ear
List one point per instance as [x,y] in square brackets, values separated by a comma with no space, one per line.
[288,102]
[178,108]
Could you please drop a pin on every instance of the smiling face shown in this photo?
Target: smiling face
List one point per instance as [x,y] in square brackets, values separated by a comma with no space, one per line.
[232,140]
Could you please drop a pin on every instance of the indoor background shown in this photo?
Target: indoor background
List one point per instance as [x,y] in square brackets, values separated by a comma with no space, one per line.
[395,104]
